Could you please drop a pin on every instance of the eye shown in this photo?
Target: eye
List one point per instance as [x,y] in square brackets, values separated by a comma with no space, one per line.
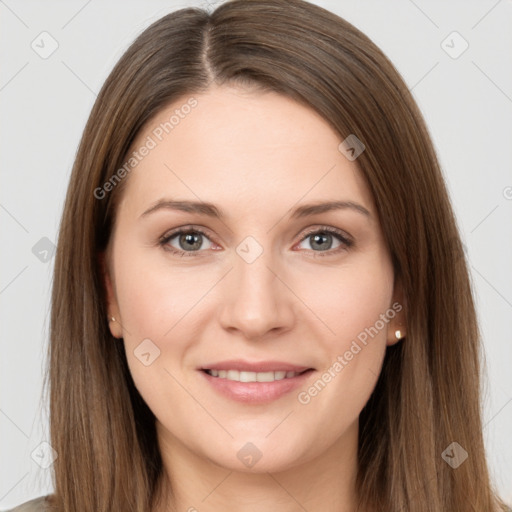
[321,240]
[191,241]
[185,241]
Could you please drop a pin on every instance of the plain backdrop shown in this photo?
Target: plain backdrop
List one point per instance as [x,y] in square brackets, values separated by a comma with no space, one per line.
[464,93]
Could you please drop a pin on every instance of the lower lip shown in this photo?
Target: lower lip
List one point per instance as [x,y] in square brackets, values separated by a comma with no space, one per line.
[256,392]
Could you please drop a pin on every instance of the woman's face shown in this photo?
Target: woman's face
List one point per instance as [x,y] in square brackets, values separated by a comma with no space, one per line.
[257,287]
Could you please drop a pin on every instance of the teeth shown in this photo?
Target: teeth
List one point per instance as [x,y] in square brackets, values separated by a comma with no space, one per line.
[233,375]
[252,376]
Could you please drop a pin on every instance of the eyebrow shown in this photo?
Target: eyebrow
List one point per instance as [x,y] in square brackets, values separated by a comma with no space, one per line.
[211,210]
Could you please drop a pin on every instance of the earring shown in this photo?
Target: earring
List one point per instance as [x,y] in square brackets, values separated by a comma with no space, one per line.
[112,319]
[398,334]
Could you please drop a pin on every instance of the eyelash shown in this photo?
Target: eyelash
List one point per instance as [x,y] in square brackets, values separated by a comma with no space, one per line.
[346,242]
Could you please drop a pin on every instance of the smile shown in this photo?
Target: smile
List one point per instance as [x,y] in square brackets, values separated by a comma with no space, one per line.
[271,381]
[244,376]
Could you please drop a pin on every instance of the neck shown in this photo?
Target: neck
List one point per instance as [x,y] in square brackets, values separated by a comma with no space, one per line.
[192,483]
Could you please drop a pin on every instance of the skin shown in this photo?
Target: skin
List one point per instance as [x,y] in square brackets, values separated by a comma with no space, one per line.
[256,156]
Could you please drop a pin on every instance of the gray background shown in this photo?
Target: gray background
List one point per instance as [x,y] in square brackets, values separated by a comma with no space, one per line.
[467,103]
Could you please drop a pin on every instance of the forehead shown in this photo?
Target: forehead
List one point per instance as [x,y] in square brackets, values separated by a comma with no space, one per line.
[244,148]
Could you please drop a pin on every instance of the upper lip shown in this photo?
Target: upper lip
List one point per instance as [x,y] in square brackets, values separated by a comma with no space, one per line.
[260,366]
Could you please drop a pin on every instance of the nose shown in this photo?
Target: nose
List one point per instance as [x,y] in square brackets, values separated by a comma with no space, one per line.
[255,300]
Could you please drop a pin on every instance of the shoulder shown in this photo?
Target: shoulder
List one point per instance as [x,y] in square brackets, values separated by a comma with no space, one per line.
[37,505]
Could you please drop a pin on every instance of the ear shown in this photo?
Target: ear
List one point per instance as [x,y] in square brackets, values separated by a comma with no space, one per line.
[112,306]
[398,322]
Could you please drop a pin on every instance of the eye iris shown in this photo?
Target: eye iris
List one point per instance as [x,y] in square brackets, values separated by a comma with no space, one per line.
[192,241]
[318,238]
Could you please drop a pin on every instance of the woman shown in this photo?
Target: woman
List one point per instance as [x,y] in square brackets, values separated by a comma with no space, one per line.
[260,297]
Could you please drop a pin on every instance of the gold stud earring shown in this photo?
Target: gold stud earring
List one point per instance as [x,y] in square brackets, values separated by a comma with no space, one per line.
[398,334]
[112,319]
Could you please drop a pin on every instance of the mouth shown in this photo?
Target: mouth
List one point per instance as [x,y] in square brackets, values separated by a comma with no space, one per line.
[255,383]
[245,376]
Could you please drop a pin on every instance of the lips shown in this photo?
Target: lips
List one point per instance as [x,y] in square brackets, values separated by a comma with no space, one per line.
[256,383]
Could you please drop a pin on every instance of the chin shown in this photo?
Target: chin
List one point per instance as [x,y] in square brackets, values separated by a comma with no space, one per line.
[257,456]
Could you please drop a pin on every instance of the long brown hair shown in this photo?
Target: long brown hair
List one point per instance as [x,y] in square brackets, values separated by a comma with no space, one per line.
[428,394]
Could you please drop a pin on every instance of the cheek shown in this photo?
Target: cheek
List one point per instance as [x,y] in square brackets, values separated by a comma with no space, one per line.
[350,298]
[163,303]
[354,305]
[154,296]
